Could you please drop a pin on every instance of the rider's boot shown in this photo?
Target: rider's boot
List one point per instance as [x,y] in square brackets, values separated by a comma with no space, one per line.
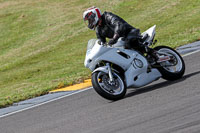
[150,51]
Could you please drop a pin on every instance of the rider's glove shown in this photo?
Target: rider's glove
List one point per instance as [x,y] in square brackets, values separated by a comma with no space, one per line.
[111,42]
[114,40]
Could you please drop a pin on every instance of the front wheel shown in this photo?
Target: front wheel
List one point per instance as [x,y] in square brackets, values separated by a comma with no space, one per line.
[175,67]
[110,90]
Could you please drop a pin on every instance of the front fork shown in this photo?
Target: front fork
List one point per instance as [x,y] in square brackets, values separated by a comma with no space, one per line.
[110,73]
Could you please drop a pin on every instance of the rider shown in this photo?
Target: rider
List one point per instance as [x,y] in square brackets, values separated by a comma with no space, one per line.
[113,27]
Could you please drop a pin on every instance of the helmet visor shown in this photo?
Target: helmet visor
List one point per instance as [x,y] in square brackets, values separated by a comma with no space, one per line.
[89,20]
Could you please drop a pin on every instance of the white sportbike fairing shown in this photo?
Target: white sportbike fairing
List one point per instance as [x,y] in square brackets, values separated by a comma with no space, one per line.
[115,68]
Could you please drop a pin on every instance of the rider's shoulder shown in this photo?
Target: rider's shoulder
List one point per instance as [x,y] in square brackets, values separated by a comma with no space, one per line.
[109,16]
[108,13]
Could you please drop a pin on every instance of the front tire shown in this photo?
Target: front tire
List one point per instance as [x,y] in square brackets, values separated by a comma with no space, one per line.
[177,69]
[111,91]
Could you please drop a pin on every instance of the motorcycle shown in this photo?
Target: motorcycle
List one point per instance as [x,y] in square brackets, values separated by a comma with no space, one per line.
[114,68]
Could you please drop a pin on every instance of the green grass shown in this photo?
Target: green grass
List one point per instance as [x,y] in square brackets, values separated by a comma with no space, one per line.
[43,42]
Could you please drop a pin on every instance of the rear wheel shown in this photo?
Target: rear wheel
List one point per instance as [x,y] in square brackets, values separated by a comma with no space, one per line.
[110,90]
[175,67]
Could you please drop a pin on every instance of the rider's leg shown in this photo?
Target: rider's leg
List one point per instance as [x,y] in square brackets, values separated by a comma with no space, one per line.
[131,39]
[133,42]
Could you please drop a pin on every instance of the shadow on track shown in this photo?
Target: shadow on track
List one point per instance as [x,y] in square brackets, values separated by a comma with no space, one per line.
[159,85]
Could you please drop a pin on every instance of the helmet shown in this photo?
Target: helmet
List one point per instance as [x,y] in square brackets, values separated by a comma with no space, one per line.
[91,16]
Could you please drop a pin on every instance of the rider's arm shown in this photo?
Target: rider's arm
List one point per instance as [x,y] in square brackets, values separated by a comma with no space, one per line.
[117,25]
[100,37]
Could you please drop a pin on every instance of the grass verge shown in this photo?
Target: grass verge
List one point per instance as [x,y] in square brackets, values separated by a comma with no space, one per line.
[43,42]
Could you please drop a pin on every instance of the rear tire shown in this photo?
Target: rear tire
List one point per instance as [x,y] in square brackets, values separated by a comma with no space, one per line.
[173,72]
[101,85]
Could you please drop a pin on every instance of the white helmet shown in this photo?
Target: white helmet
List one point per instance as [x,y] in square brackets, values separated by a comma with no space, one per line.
[91,16]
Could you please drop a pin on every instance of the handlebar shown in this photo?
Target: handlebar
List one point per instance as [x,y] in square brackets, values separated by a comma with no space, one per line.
[104,44]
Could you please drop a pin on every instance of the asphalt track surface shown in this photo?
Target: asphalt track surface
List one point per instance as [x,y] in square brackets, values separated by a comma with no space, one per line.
[161,107]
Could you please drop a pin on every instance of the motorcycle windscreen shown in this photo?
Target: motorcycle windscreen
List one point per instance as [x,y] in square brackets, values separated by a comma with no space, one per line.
[91,43]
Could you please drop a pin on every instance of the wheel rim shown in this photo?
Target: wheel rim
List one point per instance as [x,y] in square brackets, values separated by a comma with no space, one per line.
[114,88]
[176,63]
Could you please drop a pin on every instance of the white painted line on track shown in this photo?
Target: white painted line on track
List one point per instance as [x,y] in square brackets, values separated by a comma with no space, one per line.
[66,95]
[44,102]
[191,53]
